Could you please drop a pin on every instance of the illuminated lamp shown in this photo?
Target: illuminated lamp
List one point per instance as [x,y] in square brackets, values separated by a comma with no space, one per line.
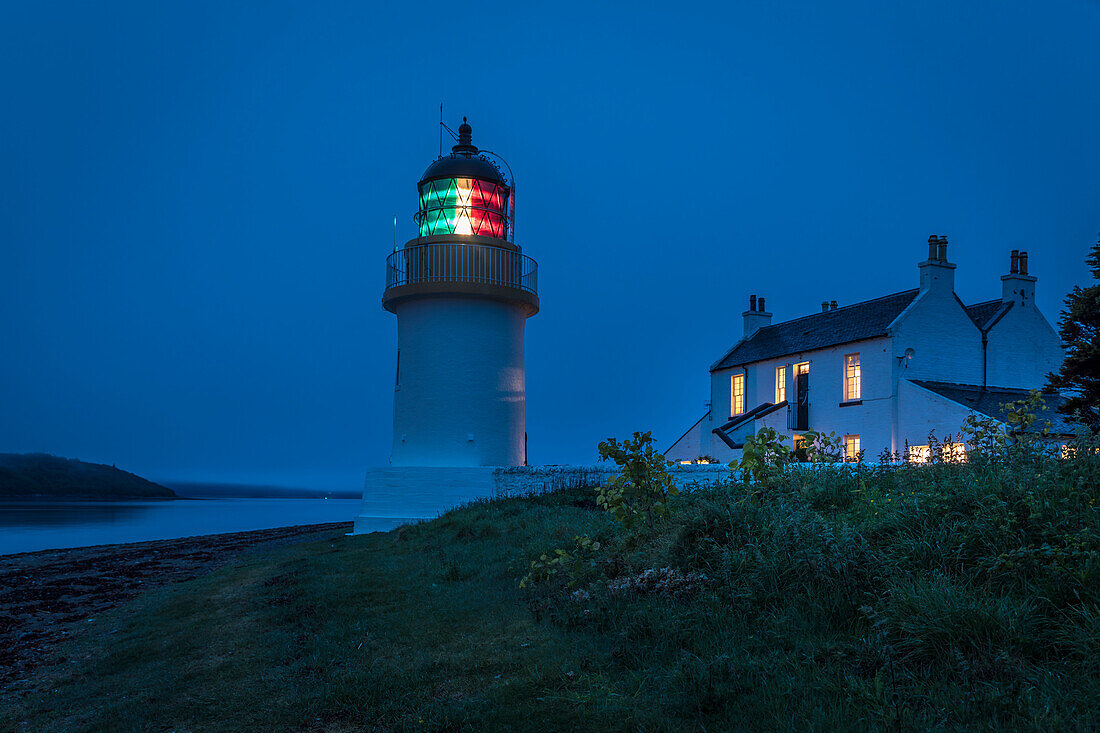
[464,193]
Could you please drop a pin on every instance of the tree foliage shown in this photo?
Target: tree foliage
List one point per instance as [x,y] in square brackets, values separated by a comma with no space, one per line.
[1079,329]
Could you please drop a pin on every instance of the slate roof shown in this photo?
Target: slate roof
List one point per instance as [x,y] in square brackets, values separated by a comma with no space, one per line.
[983,314]
[865,320]
[988,401]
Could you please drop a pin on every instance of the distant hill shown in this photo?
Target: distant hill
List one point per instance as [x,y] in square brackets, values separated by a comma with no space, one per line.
[41,476]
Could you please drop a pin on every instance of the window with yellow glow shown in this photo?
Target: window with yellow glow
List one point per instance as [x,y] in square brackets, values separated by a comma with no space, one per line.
[949,452]
[780,384]
[851,447]
[737,393]
[802,368]
[852,377]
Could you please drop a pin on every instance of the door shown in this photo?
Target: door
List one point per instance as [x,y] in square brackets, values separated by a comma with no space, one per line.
[802,397]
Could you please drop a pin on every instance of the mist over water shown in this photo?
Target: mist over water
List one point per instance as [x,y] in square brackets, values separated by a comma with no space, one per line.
[215,509]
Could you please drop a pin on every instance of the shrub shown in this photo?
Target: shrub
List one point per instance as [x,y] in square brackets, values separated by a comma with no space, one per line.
[763,457]
[563,564]
[642,493]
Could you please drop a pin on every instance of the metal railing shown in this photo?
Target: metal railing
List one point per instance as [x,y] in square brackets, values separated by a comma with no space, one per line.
[461,263]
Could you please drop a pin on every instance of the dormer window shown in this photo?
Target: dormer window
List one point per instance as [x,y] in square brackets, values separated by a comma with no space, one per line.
[852,378]
[737,394]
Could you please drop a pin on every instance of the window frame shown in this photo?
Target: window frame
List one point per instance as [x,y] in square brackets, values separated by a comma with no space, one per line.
[780,383]
[850,378]
[736,379]
[854,455]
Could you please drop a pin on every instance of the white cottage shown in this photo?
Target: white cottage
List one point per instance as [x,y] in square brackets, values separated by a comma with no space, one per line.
[882,373]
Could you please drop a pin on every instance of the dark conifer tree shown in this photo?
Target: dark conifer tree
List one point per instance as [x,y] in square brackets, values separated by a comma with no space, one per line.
[1079,329]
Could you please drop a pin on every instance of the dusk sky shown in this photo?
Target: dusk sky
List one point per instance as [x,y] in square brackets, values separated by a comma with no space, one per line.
[197,200]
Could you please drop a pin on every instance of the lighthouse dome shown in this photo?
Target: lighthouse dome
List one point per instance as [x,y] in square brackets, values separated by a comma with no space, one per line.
[464,193]
[459,165]
[464,161]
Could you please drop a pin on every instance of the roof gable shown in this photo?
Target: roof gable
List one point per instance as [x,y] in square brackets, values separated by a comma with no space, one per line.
[866,320]
[986,314]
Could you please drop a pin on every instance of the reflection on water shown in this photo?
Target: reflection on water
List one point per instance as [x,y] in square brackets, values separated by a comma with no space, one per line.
[59,514]
[26,527]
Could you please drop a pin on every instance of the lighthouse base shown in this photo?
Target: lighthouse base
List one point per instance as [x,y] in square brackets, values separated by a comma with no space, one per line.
[412,493]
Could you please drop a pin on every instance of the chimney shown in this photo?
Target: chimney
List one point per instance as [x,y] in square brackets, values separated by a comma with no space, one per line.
[1017,286]
[755,317]
[937,275]
[824,306]
[832,305]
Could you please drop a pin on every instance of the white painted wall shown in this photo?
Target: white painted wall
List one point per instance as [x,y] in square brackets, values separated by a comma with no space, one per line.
[922,411]
[871,420]
[946,344]
[1022,348]
[460,395]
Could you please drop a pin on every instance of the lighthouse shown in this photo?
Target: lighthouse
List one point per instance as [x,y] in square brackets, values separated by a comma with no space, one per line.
[462,291]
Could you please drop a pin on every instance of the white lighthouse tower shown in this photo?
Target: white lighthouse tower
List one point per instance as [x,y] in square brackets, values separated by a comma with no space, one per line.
[462,291]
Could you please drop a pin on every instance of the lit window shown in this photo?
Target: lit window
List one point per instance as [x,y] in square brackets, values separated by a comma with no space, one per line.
[780,384]
[802,368]
[851,447]
[798,442]
[852,387]
[948,452]
[737,391]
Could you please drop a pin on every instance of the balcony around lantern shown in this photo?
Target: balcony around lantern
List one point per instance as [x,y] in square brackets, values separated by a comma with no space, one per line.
[476,266]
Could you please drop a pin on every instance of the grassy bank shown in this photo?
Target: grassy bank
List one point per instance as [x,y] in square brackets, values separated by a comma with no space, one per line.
[946,596]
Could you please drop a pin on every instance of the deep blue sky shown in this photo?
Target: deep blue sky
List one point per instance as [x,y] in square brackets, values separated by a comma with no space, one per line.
[196,201]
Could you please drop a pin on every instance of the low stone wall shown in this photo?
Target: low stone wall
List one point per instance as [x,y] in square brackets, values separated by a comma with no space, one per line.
[524,480]
[421,492]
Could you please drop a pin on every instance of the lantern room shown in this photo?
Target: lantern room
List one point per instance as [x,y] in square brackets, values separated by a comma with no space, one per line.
[464,193]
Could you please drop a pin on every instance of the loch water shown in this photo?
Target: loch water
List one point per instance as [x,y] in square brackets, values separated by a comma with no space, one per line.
[32,526]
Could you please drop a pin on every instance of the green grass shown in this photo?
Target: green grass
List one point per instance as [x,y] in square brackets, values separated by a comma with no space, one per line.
[905,598]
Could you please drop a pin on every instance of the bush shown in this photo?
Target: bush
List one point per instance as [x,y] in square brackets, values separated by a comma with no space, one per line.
[642,493]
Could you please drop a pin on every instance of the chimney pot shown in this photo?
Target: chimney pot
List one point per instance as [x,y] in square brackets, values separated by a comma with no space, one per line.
[932,242]
[1014,263]
[832,305]
[752,302]
[942,254]
[760,304]
[1023,263]
[824,306]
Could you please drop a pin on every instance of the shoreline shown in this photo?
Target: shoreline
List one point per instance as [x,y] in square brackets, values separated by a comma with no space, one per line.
[46,594]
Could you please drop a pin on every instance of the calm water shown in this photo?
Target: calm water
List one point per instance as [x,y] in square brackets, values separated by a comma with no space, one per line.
[28,527]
